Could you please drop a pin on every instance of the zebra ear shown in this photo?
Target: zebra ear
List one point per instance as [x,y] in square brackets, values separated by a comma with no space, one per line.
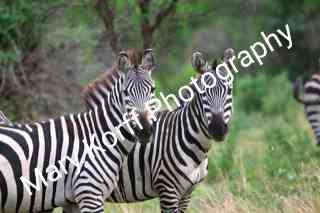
[228,54]
[123,61]
[148,61]
[214,64]
[199,63]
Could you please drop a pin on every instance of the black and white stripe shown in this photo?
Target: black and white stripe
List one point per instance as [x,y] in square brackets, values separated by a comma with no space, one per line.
[309,95]
[176,159]
[64,141]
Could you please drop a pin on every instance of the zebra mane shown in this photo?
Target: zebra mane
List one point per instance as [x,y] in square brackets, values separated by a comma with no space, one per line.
[102,86]
[106,80]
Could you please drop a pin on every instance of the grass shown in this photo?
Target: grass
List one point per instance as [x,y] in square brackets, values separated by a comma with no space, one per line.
[269,164]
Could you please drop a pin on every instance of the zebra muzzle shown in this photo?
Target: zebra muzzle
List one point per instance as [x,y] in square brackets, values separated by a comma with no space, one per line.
[218,129]
[143,134]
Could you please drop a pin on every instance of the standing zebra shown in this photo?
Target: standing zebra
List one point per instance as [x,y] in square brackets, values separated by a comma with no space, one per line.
[176,159]
[47,164]
[309,95]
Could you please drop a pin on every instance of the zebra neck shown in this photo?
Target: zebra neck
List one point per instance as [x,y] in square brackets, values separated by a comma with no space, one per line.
[115,98]
[111,119]
[107,103]
[125,139]
[198,124]
[196,106]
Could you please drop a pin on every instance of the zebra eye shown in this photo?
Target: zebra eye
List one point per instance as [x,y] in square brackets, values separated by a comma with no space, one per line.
[229,91]
[153,89]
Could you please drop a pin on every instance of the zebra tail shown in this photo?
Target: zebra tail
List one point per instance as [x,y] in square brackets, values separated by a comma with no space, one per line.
[298,90]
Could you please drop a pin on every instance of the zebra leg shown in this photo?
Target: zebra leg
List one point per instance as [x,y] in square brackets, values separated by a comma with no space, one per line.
[91,204]
[169,202]
[184,202]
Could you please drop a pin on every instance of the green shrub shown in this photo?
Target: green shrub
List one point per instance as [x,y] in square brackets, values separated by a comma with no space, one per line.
[19,29]
[278,97]
[249,92]
[288,148]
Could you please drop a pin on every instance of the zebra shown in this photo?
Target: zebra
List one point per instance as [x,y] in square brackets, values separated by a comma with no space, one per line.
[308,94]
[84,179]
[177,158]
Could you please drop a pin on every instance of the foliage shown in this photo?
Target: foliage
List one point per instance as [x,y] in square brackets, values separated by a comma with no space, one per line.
[19,29]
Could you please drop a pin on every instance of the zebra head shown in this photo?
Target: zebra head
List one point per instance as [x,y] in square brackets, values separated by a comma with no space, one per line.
[216,93]
[138,89]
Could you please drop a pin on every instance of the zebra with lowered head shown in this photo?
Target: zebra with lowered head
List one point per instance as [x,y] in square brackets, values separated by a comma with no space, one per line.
[70,161]
[176,159]
[308,94]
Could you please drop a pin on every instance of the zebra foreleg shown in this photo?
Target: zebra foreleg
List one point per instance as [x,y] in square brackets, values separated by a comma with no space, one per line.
[89,205]
[184,202]
[169,202]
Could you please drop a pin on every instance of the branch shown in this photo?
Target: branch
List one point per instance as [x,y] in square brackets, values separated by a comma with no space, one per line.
[163,14]
[107,14]
[146,30]
[144,8]
[51,11]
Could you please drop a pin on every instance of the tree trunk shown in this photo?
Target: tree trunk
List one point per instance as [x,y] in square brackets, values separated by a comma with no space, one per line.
[147,35]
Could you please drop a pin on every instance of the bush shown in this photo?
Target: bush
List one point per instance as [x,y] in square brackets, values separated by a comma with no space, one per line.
[19,29]
[264,93]
[279,96]
[249,92]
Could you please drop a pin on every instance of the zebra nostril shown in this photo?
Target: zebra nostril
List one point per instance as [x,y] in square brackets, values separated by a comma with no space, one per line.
[217,127]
